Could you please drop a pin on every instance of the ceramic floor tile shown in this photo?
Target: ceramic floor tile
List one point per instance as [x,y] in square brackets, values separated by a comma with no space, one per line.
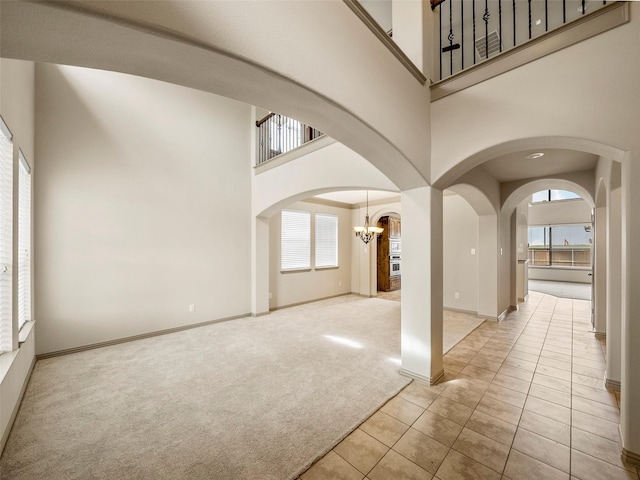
[506,395]
[559,364]
[460,467]
[462,394]
[361,450]
[595,394]
[419,394]
[437,427]
[490,355]
[598,447]
[585,362]
[471,383]
[395,466]
[422,450]
[452,364]
[482,449]
[332,467]
[478,372]
[542,449]
[588,381]
[587,467]
[548,409]
[512,383]
[384,428]
[501,410]
[550,394]
[528,357]
[492,427]
[596,409]
[402,409]
[554,372]
[597,373]
[523,467]
[451,409]
[518,373]
[519,363]
[483,362]
[550,382]
[555,356]
[547,427]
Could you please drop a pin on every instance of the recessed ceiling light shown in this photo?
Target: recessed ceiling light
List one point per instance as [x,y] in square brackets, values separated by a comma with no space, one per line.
[532,156]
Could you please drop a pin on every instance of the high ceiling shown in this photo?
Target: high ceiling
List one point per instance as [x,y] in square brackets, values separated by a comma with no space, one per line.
[506,168]
[516,166]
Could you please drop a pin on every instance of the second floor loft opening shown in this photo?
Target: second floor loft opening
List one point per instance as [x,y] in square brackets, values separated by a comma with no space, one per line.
[278,134]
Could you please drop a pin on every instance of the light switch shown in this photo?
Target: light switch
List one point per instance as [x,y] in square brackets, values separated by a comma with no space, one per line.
[473,251]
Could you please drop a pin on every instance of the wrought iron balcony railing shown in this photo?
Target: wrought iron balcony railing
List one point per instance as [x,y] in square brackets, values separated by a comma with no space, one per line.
[472,31]
[278,134]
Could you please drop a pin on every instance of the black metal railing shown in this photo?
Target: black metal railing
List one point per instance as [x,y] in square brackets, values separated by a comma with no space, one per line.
[472,31]
[278,134]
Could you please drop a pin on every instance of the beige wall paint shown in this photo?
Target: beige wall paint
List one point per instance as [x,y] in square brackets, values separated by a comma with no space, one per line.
[296,287]
[142,206]
[460,269]
[553,213]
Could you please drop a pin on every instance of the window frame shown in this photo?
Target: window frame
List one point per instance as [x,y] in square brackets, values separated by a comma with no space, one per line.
[549,247]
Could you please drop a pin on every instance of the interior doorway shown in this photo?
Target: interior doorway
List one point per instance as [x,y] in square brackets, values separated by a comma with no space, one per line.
[389,258]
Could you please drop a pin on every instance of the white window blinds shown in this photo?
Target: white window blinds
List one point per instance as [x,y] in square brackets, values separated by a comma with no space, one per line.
[326,240]
[24,242]
[6,237]
[295,241]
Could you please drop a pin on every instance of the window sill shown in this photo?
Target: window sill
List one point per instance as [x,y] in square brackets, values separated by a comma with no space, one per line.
[560,267]
[25,331]
[295,270]
[332,267]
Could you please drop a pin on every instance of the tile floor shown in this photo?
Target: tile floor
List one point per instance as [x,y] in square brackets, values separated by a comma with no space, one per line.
[521,399]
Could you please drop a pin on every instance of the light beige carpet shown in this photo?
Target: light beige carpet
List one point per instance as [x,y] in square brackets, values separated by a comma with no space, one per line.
[258,398]
[254,398]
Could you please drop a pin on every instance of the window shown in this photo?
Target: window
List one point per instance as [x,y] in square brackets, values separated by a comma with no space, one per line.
[560,245]
[24,242]
[6,237]
[326,240]
[295,242]
[553,196]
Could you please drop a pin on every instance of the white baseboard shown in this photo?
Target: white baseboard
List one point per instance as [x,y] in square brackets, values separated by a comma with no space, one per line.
[428,380]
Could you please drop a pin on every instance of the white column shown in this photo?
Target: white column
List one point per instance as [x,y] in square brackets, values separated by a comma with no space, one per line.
[422,284]
[488,267]
[614,282]
[600,272]
[630,375]
[260,266]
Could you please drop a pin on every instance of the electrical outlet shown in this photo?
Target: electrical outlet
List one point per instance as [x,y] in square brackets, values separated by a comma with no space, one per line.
[192,307]
[473,251]
[456,295]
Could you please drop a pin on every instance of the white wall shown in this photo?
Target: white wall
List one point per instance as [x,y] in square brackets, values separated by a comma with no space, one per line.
[17,110]
[460,269]
[289,288]
[142,206]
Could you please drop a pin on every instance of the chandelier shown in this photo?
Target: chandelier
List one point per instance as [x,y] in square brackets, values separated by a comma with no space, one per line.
[367,233]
